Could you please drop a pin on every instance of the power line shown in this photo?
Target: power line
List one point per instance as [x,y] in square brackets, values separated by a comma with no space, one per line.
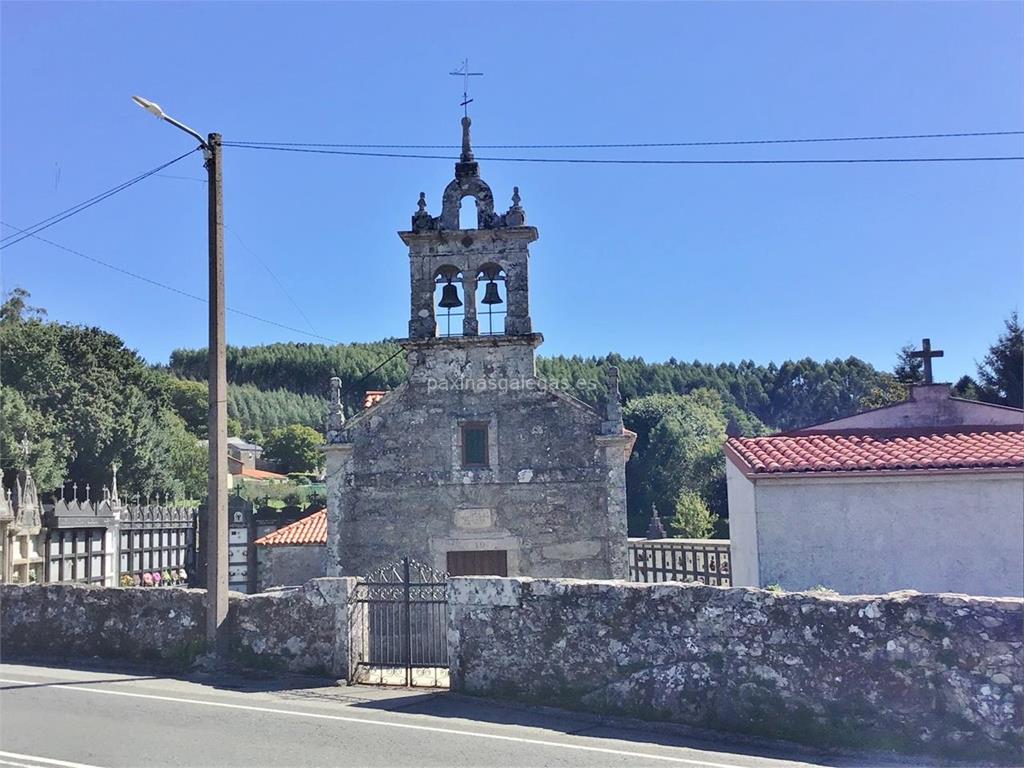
[46,223]
[631,161]
[272,275]
[193,296]
[182,178]
[166,287]
[363,380]
[632,145]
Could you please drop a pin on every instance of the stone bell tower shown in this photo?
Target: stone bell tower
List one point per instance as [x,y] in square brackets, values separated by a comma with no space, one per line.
[442,246]
[475,465]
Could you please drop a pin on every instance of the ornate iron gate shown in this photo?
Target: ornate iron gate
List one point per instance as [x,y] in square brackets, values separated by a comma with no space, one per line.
[400,626]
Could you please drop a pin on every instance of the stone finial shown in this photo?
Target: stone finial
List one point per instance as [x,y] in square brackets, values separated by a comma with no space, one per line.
[655,530]
[467,149]
[6,512]
[88,493]
[422,221]
[26,507]
[516,216]
[613,405]
[467,167]
[113,483]
[106,493]
[74,491]
[336,414]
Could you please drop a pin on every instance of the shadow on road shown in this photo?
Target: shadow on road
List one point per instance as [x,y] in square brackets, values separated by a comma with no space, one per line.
[445,705]
[232,680]
[453,706]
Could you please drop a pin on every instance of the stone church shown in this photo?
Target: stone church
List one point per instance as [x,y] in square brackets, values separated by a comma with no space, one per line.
[475,465]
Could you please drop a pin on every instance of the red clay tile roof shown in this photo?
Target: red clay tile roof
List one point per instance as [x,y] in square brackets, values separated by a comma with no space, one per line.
[373,396]
[261,474]
[969,448]
[308,530]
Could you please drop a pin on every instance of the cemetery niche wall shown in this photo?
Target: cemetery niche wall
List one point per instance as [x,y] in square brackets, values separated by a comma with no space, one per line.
[106,542]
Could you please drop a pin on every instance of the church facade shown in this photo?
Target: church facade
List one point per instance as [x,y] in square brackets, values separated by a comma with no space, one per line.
[475,465]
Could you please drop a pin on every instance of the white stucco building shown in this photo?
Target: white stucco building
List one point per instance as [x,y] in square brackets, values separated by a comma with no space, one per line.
[927,494]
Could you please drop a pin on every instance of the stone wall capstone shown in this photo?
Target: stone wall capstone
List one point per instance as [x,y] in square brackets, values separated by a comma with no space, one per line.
[295,630]
[303,630]
[904,671]
[67,621]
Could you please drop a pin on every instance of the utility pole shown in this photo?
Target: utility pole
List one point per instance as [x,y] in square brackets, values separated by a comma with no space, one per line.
[214,538]
[217,493]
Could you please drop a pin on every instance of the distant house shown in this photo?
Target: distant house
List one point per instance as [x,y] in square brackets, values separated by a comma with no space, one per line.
[927,494]
[245,454]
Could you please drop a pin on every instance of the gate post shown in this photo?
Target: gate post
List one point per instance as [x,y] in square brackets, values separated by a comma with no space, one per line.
[407,620]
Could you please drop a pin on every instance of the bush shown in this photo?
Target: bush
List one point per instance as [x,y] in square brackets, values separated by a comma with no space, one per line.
[693,519]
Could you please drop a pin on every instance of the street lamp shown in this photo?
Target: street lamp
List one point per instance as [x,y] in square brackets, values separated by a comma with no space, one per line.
[216,534]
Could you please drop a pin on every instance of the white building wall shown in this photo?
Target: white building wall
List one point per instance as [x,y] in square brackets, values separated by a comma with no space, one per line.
[743,559]
[954,532]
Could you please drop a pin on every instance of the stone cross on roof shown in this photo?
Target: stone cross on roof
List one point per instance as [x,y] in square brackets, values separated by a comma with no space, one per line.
[927,353]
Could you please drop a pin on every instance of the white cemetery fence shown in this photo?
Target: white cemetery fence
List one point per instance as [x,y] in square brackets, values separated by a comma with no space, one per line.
[106,542]
[156,541]
[705,561]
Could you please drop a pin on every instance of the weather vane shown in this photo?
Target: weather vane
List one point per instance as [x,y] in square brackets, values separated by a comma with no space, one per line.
[465,74]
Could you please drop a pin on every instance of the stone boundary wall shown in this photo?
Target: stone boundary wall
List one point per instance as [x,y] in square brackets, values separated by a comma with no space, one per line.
[905,671]
[303,630]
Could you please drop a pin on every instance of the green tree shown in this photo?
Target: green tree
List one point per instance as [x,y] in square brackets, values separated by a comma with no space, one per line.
[295,448]
[692,519]
[908,369]
[16,309]
[85,401]
[678,446]
[187,459]
[967,388]
[888,391]
[191,401]
[253,435]
[1001,373]
[48,455]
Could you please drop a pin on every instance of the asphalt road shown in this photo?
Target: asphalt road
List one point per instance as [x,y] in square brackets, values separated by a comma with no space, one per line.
[76,718]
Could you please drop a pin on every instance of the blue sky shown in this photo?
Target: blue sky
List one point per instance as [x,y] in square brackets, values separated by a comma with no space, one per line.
[717,263]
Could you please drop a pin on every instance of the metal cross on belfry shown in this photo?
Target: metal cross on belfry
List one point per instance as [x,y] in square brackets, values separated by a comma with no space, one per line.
[465,74]
[927,353]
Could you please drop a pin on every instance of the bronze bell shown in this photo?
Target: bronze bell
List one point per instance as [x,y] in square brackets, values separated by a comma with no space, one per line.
[491,294]
[449,297]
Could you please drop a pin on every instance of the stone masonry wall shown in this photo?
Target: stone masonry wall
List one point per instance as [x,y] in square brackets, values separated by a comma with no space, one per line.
[905,671]
[287,566]
[301,630]
[552,497]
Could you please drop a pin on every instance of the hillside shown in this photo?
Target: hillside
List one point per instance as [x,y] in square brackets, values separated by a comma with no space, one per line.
[783,396]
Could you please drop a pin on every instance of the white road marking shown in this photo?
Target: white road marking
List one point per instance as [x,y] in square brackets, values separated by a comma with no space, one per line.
[387,724]
[41,760]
